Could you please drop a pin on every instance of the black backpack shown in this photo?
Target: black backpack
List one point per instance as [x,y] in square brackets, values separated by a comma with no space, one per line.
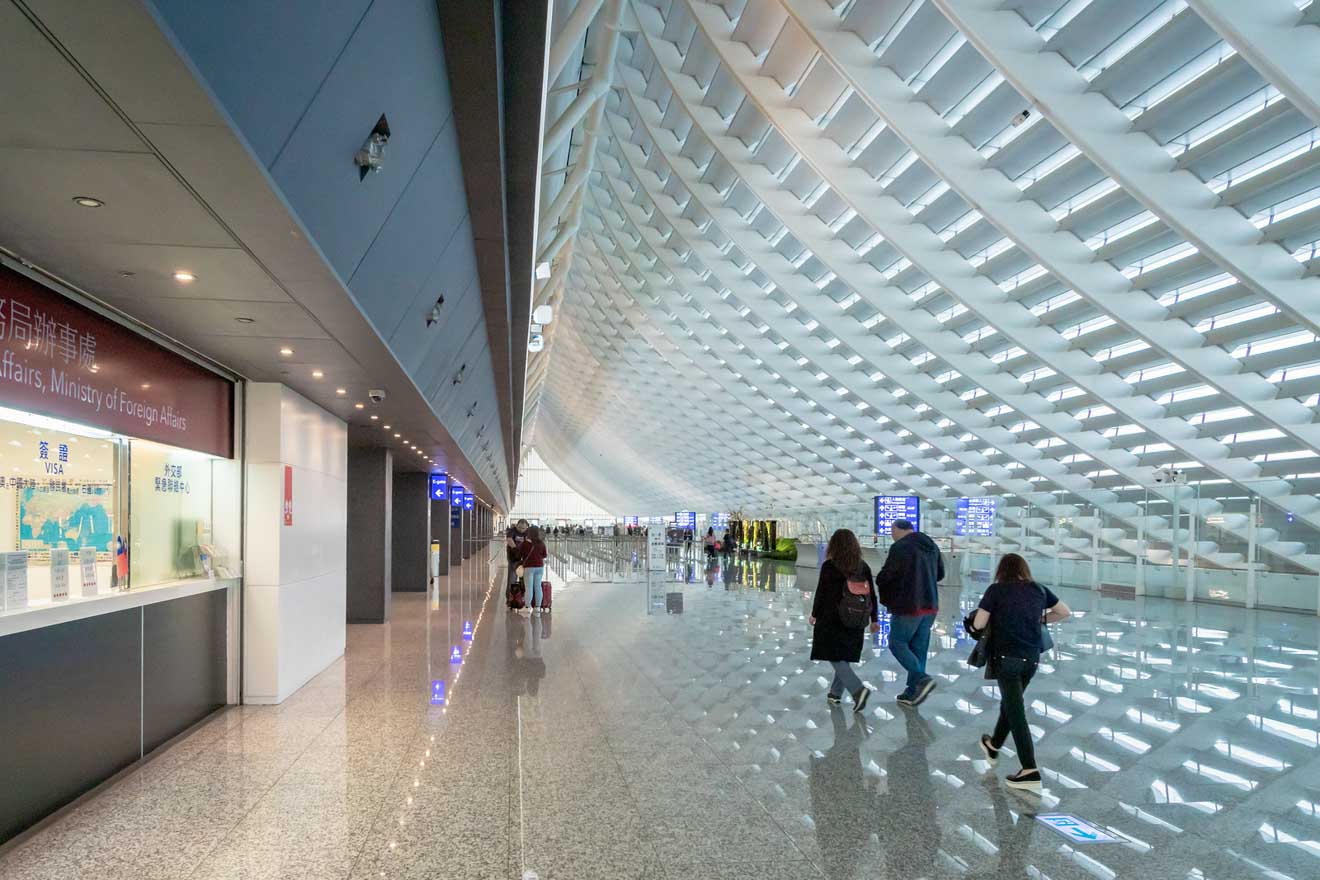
[855,604]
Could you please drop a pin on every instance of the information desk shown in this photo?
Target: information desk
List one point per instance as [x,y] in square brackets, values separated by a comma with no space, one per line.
[92,685]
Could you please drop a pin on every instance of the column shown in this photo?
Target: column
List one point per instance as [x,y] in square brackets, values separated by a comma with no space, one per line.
[370,485]
[296,540]
[411,547]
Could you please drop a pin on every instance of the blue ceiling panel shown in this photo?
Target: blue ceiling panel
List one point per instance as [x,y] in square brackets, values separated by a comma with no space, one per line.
[424,350]
[265,61]
[426,235]
[393,65]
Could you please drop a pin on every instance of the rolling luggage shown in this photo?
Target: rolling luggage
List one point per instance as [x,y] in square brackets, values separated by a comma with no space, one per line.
[517,595]
[545,595]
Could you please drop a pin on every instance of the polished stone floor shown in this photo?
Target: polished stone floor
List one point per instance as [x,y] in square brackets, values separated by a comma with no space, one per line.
[672,728]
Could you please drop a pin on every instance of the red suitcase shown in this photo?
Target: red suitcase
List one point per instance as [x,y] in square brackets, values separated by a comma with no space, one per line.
[545,594]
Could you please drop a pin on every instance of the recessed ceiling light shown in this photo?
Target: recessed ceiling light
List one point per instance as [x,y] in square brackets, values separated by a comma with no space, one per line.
[126,274]
[87,202]
[341,391]
[387,427]
[286,351]
[374,418]
[396,435]
[246,320]
[146,385]
[95,368]
[359,406]
[317,374]
[184,277]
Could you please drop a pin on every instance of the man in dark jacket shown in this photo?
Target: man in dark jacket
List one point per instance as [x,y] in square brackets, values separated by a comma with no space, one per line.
[906,586]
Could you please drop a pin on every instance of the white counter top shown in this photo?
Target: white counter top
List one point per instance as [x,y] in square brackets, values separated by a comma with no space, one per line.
[39,615]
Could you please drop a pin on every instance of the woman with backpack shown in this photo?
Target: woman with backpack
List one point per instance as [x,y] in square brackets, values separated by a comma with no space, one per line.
[1015,610]
[844,606]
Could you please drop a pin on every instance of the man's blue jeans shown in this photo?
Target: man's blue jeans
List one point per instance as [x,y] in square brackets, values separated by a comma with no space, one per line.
[909,642]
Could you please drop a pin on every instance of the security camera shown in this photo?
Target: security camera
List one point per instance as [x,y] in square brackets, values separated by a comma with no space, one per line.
[1020,118]
[376,395]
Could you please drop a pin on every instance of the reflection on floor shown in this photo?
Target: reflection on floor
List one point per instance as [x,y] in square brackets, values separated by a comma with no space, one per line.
[671,727]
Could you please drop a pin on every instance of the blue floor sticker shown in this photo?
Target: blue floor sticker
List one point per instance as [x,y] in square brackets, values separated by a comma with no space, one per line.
[1076,830]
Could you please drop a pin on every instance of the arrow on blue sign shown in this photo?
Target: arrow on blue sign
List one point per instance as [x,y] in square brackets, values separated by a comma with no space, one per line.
[456,655]
[467,629]
[437,692]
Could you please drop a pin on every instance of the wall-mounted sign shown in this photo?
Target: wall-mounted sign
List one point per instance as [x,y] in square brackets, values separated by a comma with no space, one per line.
[439,487]
[438,692]
[456,654]
[975,517]
[891,507]
[469,501]
[456,493]
[61,359]
[455,517]
[288,495]
[467,630]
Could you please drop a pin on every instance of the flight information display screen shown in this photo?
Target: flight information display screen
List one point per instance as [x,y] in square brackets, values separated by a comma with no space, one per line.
[975,517]
[891,507]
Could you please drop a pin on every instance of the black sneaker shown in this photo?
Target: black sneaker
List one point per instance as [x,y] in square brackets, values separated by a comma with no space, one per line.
[905,700]
[1026,780]
[991,753]
[923,691]
[860,698]
[833,700]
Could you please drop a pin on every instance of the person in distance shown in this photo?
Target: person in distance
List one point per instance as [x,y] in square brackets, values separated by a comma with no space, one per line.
[1015,609]
[906,585]
[844,606]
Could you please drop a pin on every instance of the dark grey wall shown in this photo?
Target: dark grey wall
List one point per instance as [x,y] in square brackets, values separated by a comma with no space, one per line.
[412,532]
[81,701]
[370,496]
[468,517]
[456,543]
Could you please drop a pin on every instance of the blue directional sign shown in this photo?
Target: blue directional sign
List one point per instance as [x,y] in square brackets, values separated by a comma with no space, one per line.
[467,630]
[455,518]
[685,519]
[456,655]
[975,516]
[438,692]
[719,520]
[439,487]
[629,521]
[1076,830]
[456,493]
[891,507]
[469,501]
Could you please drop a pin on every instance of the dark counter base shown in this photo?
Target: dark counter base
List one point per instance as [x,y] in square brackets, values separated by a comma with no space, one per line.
[80,701]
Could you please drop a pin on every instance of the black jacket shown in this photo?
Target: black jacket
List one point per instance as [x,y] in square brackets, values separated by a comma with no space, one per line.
[906,584]
[831,639]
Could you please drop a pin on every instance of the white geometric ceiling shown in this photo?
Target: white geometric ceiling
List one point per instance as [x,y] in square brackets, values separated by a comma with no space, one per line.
[804,253]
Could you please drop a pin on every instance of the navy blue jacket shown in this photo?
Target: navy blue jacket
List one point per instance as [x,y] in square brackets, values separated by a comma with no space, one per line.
[907,582]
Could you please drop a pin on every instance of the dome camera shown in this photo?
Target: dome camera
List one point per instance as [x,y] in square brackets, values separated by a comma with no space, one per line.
[376,395]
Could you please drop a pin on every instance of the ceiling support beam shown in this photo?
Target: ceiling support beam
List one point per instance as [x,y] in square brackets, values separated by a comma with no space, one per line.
[575,28]
[1270,36]
[1132,159]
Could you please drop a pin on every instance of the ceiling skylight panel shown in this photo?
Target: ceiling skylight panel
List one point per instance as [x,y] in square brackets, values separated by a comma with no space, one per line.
[1166,257]
[1178,79]
[1287,208]
[1276,343]
[1225,120]
[1265,161]
[1237,316]
[1129,39]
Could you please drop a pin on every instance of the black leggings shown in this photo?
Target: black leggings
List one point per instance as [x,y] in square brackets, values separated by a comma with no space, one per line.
[1013,675]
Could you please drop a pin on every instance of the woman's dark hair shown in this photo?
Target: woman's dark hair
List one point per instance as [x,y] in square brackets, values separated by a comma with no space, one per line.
[710,531]
[844,551]
[1013,569]
[534,535]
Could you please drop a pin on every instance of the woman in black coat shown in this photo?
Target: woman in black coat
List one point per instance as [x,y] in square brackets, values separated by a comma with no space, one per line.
[833,641]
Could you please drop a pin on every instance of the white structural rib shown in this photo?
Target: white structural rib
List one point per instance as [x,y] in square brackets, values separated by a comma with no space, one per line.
[1001,202]
[1132,159]
[1270,36]
[992,304]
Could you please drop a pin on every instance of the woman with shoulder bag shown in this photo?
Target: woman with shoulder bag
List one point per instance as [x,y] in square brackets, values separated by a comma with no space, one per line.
[533,566]
[1015,609]
[844,606]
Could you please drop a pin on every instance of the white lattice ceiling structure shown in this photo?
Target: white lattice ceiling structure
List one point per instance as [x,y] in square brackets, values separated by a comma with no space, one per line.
[804,253]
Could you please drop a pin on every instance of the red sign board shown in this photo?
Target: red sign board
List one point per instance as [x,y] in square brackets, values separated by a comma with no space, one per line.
[60,359]
[288,495]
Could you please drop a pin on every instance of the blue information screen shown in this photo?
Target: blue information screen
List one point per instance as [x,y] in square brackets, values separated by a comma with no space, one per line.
[891,507]
[975,517]
[719,520]
[439,487]
[629,521]
[685,519]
